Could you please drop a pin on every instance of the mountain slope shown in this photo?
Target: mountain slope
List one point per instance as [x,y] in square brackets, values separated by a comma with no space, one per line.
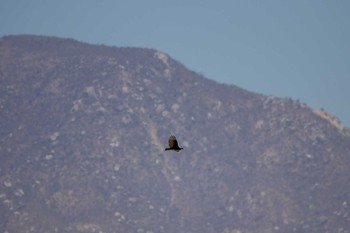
[82,135]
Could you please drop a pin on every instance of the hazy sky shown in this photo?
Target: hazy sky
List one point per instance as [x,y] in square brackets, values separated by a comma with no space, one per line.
[286,48]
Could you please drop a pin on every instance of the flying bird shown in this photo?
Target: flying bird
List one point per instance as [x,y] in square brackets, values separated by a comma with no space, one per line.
[173,144]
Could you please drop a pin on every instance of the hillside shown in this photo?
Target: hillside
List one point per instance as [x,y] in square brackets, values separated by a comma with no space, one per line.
[82,135]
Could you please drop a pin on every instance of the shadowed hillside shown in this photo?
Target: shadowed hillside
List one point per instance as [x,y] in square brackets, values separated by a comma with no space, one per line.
[82,135]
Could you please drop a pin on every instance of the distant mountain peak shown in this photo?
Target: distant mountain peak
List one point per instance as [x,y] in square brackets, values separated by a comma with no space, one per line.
[82,134]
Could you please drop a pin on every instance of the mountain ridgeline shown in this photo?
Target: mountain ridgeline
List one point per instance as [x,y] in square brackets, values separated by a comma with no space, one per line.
[82,135]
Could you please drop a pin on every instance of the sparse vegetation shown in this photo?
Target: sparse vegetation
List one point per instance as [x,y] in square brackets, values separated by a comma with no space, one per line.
[82,136]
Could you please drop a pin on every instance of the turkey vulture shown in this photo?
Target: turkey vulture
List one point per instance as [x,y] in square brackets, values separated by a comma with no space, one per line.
[173,144]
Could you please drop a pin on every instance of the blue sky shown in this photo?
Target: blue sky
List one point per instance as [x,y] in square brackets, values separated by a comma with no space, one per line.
[286,48]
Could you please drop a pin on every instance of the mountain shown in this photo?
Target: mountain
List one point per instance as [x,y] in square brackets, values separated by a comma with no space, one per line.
[82,135]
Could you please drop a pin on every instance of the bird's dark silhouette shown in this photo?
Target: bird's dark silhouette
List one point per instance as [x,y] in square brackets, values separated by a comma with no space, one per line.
[173,144]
